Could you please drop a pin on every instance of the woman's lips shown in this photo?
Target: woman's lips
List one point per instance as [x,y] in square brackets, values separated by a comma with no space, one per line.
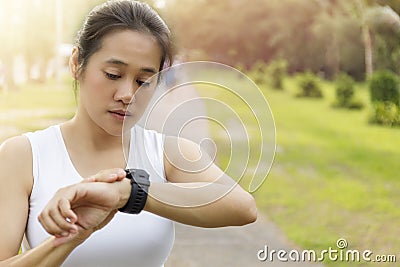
[120,114]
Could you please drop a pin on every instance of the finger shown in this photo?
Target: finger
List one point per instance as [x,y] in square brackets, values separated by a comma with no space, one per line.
[50,226]
[65,209]
[89,179]
[61,221]
[107,176]
[69,215]
[111,175]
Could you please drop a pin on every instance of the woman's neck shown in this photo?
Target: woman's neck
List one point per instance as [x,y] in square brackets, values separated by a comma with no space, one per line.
[89,135]
[92,150]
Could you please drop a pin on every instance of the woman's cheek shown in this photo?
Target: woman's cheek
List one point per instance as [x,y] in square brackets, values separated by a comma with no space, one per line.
[98,83]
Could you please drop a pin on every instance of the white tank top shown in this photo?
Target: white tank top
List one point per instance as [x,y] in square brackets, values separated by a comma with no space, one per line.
[128,240]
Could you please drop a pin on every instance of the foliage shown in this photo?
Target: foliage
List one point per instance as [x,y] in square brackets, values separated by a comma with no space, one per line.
[344,89]
[309,86]
[240,67]
[258,73]
[385,97]
[270,30]
[385,113]
[227,36]
[345,93]
[385,25]
[277,71]
[227,31]
[385,86]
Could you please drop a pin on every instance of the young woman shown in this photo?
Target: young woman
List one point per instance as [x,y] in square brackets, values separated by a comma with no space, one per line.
[61,187]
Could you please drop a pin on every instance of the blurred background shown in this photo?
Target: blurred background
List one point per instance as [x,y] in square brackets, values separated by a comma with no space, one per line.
[328,68]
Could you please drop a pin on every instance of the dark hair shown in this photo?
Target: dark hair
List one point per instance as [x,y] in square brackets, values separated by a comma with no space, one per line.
[121,15]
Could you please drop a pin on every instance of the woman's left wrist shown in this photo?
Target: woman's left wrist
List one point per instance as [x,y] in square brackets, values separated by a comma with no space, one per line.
[124,192]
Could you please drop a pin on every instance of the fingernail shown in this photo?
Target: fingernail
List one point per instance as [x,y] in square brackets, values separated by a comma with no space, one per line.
[121,172]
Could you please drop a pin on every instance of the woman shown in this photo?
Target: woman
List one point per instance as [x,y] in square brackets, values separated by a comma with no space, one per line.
[71,221]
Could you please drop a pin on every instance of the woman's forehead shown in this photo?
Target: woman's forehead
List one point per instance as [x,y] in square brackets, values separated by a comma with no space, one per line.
[127,47]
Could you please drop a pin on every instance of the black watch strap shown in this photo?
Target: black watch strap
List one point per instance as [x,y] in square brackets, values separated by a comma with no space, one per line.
[139,189]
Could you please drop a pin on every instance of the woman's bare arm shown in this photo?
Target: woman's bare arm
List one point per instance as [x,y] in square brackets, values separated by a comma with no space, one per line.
[198,193]
[15,187]
[16,183]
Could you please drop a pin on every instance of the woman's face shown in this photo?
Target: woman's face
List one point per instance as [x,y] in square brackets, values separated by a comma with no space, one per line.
[113,75]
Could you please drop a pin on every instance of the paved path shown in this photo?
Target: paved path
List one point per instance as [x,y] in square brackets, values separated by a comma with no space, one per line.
[230,246]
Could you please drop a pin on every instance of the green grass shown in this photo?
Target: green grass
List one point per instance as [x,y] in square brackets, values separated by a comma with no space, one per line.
[334,175]
[35,106]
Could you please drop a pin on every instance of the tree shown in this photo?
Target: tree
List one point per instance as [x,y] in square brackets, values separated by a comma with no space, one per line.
[324,36]
[219,31]
[385,25]
[369,14]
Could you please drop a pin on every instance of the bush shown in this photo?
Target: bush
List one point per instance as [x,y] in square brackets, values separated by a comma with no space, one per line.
[258,73]
[240,67]
[344,89]
[385,87]
[355,104]
[345,93]
[277,70]
[385,113]
[309,86]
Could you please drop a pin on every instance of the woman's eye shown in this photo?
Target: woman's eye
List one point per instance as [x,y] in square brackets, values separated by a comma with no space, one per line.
[112,76]
[143,83]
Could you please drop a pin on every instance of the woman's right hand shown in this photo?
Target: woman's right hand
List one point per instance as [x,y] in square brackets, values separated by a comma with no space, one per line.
[80,209]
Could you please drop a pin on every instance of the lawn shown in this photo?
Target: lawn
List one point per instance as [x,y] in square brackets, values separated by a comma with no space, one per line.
[334,175]
[35,106]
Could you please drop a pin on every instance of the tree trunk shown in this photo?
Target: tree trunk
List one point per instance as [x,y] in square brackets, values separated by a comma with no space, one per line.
[369,68]
[366,35]
[333,57]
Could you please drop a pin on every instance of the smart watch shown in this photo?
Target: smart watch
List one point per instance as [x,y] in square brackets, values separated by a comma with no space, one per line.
[139,189]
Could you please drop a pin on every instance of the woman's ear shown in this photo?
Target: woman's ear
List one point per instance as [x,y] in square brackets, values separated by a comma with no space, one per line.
[73,63]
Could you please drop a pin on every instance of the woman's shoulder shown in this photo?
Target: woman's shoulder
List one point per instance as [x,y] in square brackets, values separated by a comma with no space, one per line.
[15,147]
[16,160]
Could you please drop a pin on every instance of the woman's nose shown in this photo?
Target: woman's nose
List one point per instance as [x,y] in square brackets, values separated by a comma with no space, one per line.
[125,92]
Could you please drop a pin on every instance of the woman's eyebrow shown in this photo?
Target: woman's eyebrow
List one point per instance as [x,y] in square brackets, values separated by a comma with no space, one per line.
[115,61]
[149,70]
